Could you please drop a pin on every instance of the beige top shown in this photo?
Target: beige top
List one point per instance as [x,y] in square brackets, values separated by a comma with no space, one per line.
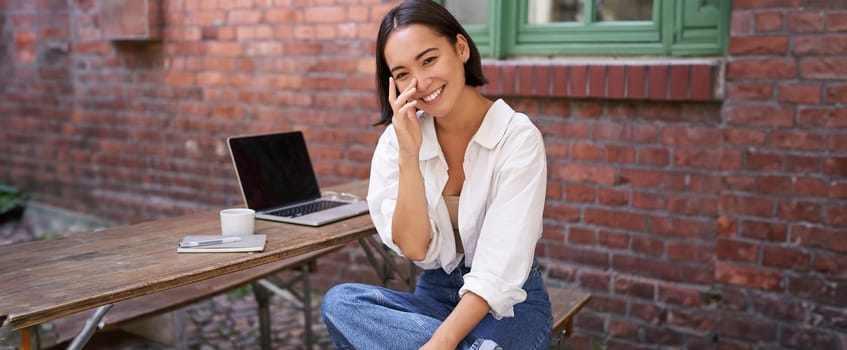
[453,208]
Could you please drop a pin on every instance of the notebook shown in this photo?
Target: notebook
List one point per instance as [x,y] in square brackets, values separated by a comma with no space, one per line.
[277,181]
[245,243]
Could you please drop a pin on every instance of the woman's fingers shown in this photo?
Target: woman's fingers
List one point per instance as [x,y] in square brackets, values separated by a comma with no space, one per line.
[408,107]
[397,102]
[392,91]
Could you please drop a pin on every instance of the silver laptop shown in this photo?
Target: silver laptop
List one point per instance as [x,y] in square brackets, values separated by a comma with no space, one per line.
[278,182]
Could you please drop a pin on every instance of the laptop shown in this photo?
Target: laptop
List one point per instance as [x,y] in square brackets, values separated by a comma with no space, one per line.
[277,181]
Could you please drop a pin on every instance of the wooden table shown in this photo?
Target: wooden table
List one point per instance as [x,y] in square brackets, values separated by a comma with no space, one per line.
[45,280]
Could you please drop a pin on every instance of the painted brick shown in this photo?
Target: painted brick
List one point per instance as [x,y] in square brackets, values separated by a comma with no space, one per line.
[823,117]
[623,329]
[646,267]
[800,93]
[785,258]
[758,45]
[836,166]
[560,81]
[614,240]
[762,68]
[679,82]
[819,237]
[580,173]
[832,44]
[835,216]
[616,83]
[636,82]
[768,21]
[583,151]
[831,264]
[741,22]
[578,86]
[797,140]
[836,93]
[760,115]
[578,193]
[809,337]
[582,236]
[657,82]
[836,21]
[691,136]
[597,81]
[492,73]
[823,68]
[509,79]
[737,250]
[741,275]
[541,75]
[653,156]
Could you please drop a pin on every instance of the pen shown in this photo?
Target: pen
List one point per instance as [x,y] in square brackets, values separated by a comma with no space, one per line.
[189,244]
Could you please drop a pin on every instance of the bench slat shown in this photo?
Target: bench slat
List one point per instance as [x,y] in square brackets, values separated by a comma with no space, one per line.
[157,303]
[565,303]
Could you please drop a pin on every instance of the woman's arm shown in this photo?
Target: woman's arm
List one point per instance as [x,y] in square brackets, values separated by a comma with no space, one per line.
[464,317]
[410,222]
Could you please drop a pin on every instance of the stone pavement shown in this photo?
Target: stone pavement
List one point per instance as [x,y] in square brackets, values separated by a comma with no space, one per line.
[228,321]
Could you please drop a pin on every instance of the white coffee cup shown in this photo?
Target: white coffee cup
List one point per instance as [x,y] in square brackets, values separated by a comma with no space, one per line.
[237,221]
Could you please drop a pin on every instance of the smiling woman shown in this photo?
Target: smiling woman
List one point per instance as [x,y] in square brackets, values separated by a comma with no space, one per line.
[457,185]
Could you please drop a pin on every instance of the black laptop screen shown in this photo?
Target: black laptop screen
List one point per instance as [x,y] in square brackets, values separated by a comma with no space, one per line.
[274,169]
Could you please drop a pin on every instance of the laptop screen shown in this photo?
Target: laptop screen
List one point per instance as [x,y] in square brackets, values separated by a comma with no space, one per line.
[274,169]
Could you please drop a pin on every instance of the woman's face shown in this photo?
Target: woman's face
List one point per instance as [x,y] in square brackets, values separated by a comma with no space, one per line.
[418,56]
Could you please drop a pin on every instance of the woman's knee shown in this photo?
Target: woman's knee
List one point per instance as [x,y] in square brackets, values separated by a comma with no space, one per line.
[339,299]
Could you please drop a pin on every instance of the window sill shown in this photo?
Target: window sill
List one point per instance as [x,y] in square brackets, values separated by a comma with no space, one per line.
[656,79]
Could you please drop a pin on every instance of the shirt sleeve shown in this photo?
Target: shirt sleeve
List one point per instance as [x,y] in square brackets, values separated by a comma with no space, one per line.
[382,197]
[512,224]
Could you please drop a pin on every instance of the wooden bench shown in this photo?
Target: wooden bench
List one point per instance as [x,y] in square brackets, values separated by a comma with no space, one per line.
[128,311]
[566,303]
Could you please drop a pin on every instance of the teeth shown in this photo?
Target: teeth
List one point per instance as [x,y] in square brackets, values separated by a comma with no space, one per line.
[433,95]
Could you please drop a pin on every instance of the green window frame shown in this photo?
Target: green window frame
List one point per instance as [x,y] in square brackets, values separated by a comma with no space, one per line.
[678,28]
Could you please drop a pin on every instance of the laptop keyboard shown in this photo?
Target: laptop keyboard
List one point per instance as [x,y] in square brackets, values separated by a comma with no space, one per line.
[306,208]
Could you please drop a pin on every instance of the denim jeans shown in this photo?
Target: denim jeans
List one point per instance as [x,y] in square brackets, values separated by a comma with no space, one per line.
[368,317]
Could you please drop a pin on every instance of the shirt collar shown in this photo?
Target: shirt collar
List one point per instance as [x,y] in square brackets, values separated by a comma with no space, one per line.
[494,125]
[490,132]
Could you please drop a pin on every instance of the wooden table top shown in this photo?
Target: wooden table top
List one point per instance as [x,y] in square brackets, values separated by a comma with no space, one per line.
[44,280]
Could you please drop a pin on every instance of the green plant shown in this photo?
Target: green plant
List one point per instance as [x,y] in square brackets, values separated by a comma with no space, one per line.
[12,202]
[47,235]
[242,291]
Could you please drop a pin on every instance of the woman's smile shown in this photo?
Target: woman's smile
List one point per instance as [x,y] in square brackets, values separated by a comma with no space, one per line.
[431,97]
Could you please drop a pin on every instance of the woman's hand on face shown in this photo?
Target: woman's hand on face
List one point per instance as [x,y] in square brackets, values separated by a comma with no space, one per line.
[405,118]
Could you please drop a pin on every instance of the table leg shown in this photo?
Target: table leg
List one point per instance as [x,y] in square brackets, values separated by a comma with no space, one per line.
[387,268]
[90,327]
[263,300]
[267,286]
[307,307]
[5,331]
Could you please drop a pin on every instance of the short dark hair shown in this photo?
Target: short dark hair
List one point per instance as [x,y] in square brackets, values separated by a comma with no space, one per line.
[435,17]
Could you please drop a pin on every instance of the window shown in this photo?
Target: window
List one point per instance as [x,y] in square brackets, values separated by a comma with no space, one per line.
[503,28]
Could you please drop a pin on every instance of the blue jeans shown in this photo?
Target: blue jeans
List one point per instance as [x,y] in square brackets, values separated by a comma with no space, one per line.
[368,317]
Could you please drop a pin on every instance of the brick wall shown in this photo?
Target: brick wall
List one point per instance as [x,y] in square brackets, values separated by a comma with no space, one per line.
[781,248]
[699,218]
[135,130]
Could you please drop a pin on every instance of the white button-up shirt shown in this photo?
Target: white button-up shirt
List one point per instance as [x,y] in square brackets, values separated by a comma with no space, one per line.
[500,208]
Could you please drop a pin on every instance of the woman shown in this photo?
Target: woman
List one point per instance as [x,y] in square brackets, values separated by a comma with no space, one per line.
[457,185]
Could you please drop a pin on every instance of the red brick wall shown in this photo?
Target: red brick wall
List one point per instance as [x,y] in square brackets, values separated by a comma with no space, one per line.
[136,130]
[698,218]
[781,248]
